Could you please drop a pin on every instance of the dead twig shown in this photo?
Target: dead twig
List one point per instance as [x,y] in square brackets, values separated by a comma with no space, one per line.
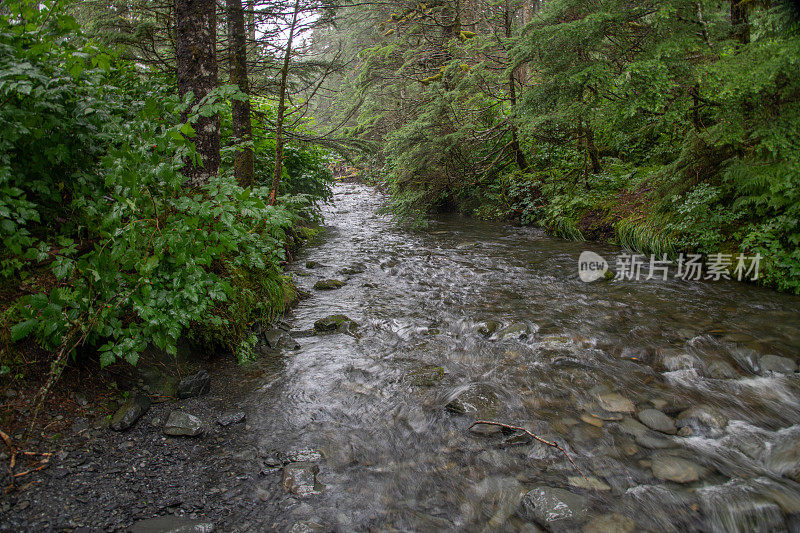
[43,463]
[535,437]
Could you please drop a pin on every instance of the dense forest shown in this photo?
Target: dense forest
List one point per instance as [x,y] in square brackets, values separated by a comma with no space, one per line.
[160,160]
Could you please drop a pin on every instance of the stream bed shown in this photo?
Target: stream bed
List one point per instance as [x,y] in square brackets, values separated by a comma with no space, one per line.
[678,400]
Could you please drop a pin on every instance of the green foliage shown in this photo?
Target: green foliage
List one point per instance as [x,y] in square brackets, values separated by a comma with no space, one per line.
[116,251]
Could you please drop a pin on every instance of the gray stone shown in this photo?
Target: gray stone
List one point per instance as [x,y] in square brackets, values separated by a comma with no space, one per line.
[488,327]
[425,376]
[783,457]
[776,363]
[479,401]
[180,424]
[615,402]
[276,339]
[355,268]
[159,384]
[610,523]
[301,479]
[130,411]
[337,323]
[703,419]
[195,385]
[172,524]
[548,505]
[311,264]
[677,469]
[328,284]
[721,370]
[230,417]
[658,421]
[589,483]
[514,331]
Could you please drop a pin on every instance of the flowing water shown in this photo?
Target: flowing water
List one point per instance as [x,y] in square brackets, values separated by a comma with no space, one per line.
[369,408]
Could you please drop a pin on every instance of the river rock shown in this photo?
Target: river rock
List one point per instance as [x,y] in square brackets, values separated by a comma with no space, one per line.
[548,505]
[130,411]
[355,268]
[776,363]
[488,327]
[195,385]
[658,421]
[276,339]
[172,524]
[328,284]
[677,469]
[301,479]
[479,401]
[703,419]
[610,523]
[615,402]
[589,483]
[338,323]
[518,330]
[180,424]
[159,384]
[425,376]
[721,370]
[591,420]
[311,264]
[784,454]
[230,417]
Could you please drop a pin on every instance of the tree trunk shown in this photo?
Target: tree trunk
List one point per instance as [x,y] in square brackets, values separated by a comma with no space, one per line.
[739,24]
[519,156]
[276,179]
[243,164]
[196,52]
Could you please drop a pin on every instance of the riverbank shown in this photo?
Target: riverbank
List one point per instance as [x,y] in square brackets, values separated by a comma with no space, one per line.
[677,399]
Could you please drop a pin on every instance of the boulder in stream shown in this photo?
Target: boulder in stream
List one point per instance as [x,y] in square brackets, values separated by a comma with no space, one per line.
[548,505]
[615,402]
[335,323]
[703,419]
[658,421]
[328,284]
[677,469]
[778,364]
[477,400]
[277,339]
[130,411]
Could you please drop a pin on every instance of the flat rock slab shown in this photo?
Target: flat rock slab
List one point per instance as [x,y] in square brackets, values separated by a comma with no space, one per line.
[130,411]
[658,421]
[172,524]
[548,505]
[301,479]
[677,469]
[180,424]
[615,403]
[328,284]
[231,417]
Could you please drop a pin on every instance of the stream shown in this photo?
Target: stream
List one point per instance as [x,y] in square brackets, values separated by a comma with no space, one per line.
[471,320]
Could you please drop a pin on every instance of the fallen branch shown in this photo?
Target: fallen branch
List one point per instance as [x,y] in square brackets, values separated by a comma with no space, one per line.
[535,437]
[43,463]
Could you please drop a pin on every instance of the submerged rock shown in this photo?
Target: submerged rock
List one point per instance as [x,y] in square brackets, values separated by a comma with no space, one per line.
[426,375]
[488,327]
[776,363]
[337,323]
[658,421]
[548,505]
[703,419]
[301,479]
[721,370]
[328,284]
[610,523]
[276,339]
[517,330]
[312,264]
[590,483]
[195,385]
[180,424]
[172,524]
[355,268]
[130,411]
[677,469]
[784,455]
[615,402]
[479,400]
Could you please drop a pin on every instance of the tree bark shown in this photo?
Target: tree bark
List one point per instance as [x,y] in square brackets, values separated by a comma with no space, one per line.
[739,25]
[196,52]
[519,155]
[243,164]
[276,179]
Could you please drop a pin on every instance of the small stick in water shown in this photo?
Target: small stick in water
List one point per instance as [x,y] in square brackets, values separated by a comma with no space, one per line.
[536,437]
